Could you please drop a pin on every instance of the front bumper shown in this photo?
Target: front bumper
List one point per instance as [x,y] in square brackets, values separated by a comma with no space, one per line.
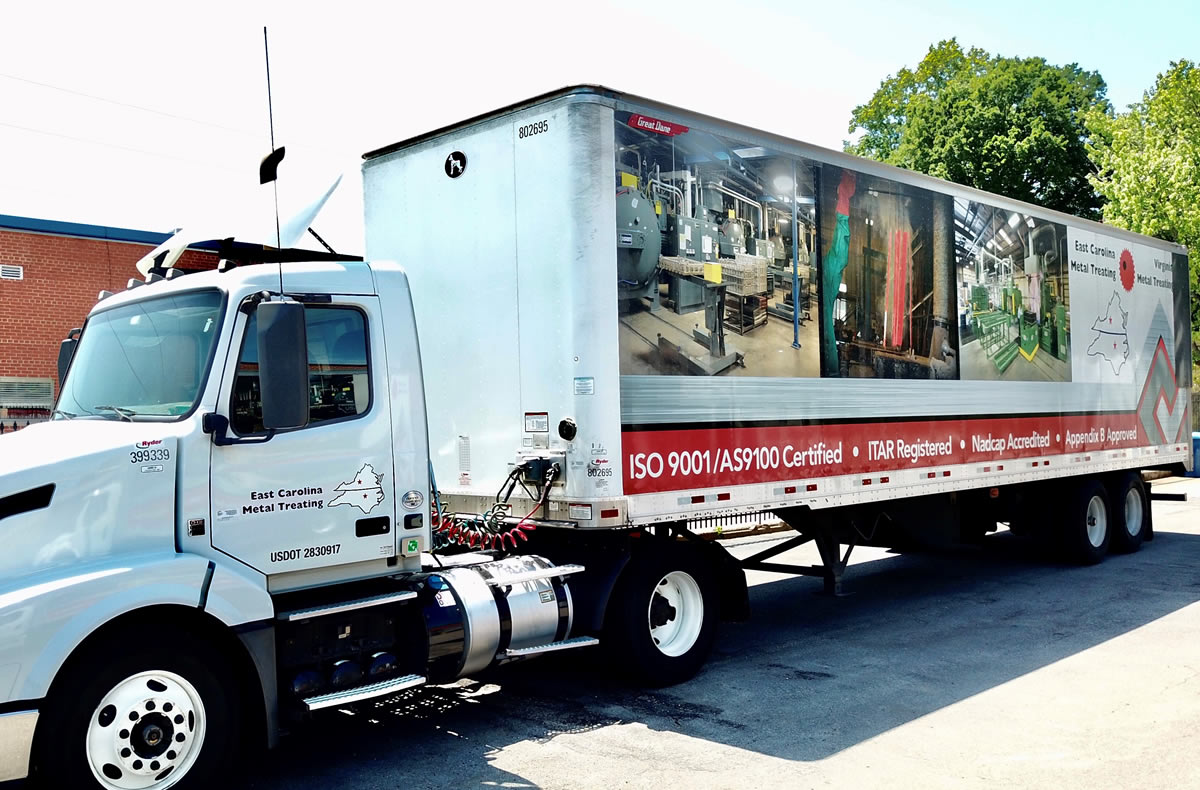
[16,742]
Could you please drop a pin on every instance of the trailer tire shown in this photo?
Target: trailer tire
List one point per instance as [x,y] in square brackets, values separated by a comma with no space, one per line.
[662,620]
[1131,513]
[1086,523]
[148,708]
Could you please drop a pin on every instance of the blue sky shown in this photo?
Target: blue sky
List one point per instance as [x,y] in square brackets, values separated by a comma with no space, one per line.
[1127,42]
[149,115]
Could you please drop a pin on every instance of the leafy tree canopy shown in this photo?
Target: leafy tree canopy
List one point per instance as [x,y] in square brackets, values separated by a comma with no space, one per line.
[1013,126]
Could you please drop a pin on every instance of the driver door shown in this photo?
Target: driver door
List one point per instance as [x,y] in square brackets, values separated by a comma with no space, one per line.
[316,496]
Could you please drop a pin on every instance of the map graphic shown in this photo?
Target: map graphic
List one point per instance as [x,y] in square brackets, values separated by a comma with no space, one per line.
[362,491]
[1111,342]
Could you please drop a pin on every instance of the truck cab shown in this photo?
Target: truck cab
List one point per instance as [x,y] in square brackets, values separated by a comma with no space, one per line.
[165,380]
[157,493]
[226,527]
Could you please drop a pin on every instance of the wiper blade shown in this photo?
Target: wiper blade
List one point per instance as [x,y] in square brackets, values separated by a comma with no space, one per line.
[66,414]
[122,412]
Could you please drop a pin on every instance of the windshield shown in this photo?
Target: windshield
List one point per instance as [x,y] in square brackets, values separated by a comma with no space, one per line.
[147,359]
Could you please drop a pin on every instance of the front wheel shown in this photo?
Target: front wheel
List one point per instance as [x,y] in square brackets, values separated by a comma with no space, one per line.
[663,617]
[139,718]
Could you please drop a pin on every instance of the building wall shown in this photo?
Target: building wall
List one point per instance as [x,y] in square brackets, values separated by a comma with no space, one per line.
[62,277]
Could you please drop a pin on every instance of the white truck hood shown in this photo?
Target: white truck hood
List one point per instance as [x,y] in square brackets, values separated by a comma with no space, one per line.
[49,443]
[114,493]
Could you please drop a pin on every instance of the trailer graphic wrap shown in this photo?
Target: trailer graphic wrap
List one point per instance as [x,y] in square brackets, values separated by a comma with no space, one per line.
[1122,309]
[1163,406]
[687,285]
[1014,299]
[928,329]
[737,259]
[665,460]
[1182,303]
[717,243]
[886,274]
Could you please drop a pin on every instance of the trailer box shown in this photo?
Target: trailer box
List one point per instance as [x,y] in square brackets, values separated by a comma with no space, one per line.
[546,331]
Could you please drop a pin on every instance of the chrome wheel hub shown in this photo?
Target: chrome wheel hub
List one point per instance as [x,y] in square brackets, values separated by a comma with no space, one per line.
[146,732]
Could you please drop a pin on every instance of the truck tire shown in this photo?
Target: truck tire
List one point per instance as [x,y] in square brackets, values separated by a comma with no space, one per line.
[662,620]
[1085,523]
[144,711]
[1131,512]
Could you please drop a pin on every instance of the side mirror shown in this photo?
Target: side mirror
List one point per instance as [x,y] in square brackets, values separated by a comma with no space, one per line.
[282,365]
[66,351]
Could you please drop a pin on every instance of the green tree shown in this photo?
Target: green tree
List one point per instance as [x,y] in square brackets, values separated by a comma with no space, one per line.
[884,118]
[1014,126]
[1148,166]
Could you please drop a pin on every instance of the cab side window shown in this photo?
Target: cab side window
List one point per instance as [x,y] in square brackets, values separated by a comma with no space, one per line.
[338,371]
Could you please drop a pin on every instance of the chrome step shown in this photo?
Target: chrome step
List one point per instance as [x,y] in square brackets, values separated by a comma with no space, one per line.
[534,575]
[347,606]
[566,644]
[359,693]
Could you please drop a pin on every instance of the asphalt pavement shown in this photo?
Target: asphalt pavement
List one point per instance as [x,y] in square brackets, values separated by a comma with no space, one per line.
[983,666]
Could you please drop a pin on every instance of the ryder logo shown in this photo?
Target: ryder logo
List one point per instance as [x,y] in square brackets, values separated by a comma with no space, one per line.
[599,467]
[148,443]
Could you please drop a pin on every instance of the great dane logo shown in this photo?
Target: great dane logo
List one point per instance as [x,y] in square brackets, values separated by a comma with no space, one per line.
[456,164]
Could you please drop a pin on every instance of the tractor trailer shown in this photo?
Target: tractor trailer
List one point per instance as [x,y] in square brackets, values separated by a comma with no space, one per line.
[587,326]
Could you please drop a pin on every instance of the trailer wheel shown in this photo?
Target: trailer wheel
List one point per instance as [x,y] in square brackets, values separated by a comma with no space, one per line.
[663,619]
[1086,523]
[1131,513]
[135,717]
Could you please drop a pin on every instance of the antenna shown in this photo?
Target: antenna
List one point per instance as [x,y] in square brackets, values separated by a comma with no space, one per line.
[271,121]
[268,170]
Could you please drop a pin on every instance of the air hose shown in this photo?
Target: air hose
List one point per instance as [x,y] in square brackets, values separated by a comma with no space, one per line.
[487,530]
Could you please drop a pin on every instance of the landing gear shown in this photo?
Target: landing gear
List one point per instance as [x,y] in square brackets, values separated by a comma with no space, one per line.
[818,528]
[663,618]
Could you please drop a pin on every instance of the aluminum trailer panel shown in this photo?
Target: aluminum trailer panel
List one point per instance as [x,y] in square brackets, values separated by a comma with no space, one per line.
[944,339]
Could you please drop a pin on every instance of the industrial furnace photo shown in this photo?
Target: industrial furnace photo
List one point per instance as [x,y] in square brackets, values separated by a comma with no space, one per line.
[1013,295]
[715,241]
[887,279]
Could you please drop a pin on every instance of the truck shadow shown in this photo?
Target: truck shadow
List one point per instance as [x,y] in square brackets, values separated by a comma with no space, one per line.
[807,677]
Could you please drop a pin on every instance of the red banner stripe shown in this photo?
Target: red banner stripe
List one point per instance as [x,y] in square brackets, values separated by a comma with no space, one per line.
[679,460]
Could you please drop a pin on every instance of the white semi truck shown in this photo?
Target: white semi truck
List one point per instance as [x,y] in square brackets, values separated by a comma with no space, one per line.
[610,322]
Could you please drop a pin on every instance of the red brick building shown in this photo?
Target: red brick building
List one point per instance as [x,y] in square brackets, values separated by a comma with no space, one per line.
[50,275]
